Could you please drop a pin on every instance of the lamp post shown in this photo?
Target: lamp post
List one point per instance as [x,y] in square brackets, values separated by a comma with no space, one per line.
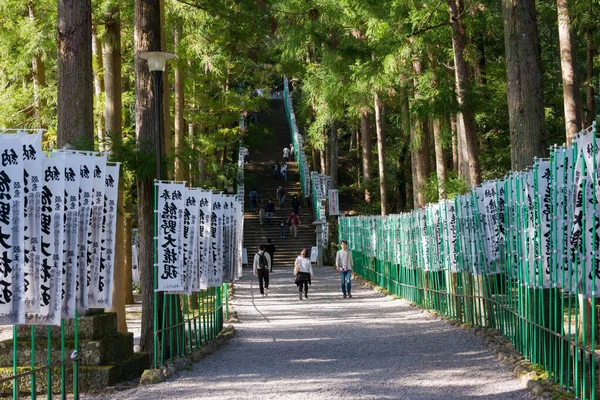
[319,231]
[156,64]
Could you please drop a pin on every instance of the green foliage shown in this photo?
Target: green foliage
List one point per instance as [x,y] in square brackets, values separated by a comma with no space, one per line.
[453,186]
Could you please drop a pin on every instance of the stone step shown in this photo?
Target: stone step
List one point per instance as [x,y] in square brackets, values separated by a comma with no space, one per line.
[91,379]
[104,351]
[90,327]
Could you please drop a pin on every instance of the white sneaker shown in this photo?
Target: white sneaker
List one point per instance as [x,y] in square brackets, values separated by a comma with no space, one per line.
[266,292]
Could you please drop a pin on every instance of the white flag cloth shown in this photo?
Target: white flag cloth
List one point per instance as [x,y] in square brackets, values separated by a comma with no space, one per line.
[215,273]
[170,236]
[95,228]
[51,245]
[204,237]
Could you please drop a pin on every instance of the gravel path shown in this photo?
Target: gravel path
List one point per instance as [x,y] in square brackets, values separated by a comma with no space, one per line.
[367,347]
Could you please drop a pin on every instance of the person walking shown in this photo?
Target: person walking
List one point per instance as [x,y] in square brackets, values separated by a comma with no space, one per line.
[296,204]
[276,170]
[293,222]
[281,196]
[282,226]
[261,212]
[284,171]
[253,198]
[270,248]
[261,267]
[286,154]
[270,210]
[344,264]
[292,154]
[304,272]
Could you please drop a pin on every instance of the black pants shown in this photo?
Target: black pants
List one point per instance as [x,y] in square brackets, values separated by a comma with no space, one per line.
[263,275]
[305,284]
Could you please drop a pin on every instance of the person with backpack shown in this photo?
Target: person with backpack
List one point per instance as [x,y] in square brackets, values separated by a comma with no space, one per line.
[253,198]
[261,267]
[293,222]
[270,248]
[295,204]
[281,196]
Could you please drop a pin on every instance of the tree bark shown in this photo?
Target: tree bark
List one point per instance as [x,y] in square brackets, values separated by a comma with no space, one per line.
[568,64]
[128,254]
[333,155]
[380,128]
[454,143]
[74,65]
[590,103]
[98,68]
[322,158]
[146,38]
[166,98]
[524,83]
[113,122]
[465,118]
[181,165]
[38,72]
[315,159]
[367,151]
[440,164]
[419,135]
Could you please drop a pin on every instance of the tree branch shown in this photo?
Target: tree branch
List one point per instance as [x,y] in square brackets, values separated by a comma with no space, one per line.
[429,28]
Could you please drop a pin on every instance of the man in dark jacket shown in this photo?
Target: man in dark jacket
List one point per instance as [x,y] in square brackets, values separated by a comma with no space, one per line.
[270,248]
[270,210]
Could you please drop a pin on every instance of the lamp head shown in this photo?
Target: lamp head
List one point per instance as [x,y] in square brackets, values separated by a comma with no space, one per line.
[156,59]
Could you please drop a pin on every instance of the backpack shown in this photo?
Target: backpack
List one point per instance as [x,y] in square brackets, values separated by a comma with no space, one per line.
[262,261]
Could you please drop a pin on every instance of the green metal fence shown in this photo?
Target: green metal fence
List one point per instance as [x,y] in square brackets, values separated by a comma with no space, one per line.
[519,255]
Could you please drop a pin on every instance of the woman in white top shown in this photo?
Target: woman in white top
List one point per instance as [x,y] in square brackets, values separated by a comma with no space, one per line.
[304,274]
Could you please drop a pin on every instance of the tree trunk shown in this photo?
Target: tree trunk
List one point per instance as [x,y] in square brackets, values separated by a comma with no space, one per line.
[367,151]
[113,123]
[38,72]
[181,165]
[315,159]
[440,164]
[166,98]
[419,135]
[351,142]
[465,117]
[454,142]
[333,155]
[146,38]
[74,65]
[322,159]
[380,128]
[128,254]
[524,83]
[98,68]
[590,104]
[568,64]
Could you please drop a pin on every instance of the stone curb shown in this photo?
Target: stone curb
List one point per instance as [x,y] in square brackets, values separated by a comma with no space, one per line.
[153,376]
[531,377]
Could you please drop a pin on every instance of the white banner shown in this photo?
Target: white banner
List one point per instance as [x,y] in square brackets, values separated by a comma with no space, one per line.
[204,213]
[135,269]
[190,240]
[95,228]
[32,178]
[334,202]
[170,236]
[86,187]
[51,245]
[108,235]
[215,273]
[71,232]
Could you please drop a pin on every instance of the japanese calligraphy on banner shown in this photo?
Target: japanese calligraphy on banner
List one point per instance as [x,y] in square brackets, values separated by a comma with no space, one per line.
[170,236]
[204,212]
[32,188]
[190,241]
[51,244]
[86,187]
[215,272]
[71,232]
[334,202]
[12,265]
[104,284]
[95,228]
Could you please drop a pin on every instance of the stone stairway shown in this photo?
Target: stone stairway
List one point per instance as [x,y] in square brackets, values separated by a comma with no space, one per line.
[260,171]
